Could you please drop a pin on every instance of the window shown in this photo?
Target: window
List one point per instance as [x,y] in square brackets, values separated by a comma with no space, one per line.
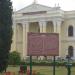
[70,31]
[70,51]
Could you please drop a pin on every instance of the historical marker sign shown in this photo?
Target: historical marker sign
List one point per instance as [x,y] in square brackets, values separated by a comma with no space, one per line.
[43,44]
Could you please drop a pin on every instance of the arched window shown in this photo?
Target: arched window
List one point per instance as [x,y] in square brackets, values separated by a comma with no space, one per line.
[70,31]
[70,51]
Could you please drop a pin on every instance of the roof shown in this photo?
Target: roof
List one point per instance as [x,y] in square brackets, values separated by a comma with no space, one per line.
[34,8]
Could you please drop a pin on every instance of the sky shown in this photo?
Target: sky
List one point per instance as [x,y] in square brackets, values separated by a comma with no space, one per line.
[66,5]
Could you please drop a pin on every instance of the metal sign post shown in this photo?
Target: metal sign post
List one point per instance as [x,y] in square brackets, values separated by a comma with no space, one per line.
[53,65]
[30,65]
[69,65]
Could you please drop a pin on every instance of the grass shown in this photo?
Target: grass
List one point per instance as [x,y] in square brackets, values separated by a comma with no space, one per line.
[44,70]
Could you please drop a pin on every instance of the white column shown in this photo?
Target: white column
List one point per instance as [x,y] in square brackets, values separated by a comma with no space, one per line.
[25,31]
[59,31]
[14,35]
[42,25]
[26,34]
[54,24]
[24,39]
[58,26]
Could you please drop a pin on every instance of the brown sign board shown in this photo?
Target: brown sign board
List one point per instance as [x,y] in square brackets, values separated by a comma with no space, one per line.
[43,44]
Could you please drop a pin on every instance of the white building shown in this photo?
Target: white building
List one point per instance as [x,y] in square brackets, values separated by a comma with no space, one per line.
[43,19]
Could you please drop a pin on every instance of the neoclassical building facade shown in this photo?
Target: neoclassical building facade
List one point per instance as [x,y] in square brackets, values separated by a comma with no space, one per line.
[43,19]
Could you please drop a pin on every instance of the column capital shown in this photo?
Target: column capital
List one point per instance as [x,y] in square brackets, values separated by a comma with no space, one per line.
[54,20]
[42,23]
[26,24]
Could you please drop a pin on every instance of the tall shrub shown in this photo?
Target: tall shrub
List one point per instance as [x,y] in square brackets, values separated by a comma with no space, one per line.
[5,32]
[14,58]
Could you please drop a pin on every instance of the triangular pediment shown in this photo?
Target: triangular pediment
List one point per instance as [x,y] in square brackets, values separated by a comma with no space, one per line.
[34,8]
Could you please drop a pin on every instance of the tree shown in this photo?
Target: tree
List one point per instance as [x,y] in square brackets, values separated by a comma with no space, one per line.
[14,58]
[5,32]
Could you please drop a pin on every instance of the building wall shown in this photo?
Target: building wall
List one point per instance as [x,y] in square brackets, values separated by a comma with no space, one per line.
[48,21]
[67,40]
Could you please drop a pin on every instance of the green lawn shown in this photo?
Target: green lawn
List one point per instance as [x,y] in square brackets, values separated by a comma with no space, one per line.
[44,70]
